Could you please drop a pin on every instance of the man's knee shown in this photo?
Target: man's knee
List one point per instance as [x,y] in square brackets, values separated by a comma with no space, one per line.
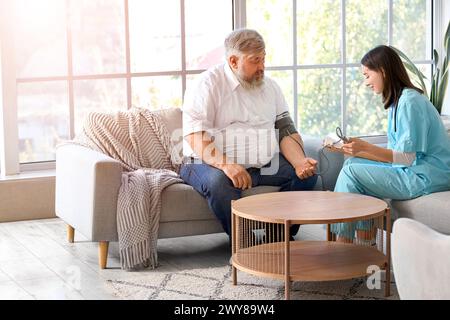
[217,180]
[205,179]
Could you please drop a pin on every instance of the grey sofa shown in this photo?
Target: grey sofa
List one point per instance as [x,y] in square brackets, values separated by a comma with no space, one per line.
[87,185]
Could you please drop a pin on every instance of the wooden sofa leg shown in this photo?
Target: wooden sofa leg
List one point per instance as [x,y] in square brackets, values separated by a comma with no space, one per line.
[70,233]
[103,253]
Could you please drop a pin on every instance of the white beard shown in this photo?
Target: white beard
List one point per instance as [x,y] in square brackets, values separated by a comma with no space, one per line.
[253,84]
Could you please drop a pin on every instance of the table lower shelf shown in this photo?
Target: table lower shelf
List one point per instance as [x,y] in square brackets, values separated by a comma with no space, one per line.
[309,260]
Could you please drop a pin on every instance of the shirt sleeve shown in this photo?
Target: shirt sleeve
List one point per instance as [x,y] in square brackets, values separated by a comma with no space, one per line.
[198,109]
[412,127]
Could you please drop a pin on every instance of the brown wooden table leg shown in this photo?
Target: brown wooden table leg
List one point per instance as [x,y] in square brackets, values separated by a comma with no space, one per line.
[388,253]
[233,246]
[287,260]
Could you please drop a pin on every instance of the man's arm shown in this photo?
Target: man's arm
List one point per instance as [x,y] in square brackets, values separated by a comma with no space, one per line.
[291,146]
[202,145]
[205,148]
[292,149]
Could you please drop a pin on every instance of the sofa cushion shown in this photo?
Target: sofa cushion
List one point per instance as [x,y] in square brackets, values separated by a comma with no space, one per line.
[432,210]
[172,118]
[330,163]
[180,202]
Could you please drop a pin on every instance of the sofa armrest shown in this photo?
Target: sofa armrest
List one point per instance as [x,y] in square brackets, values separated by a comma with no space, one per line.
[330,163]
[87,187]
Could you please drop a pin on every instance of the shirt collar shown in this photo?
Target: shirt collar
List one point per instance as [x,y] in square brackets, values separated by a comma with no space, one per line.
[233,82]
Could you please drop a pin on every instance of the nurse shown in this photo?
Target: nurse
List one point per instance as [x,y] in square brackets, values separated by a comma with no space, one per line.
[417,159]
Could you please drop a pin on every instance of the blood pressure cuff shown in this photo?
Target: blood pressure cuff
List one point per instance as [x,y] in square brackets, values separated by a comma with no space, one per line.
[284,125]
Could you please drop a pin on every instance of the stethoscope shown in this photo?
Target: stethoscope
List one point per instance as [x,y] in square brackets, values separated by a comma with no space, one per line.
[345,139]
[340,135]
[395,118]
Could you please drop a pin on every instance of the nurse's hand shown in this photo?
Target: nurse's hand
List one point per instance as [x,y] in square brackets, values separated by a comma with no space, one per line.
[306,168]
[356,147]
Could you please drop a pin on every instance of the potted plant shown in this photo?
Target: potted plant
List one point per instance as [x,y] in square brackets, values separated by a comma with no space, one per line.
[439,81]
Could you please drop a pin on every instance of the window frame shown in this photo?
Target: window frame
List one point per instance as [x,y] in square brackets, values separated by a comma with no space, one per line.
[13,165]
[9,148]
[435,7]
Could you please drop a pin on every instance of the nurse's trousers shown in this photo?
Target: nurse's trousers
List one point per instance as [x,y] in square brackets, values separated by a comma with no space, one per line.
[378,179]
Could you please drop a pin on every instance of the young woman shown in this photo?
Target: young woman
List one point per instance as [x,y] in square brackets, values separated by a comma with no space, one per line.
[417,159]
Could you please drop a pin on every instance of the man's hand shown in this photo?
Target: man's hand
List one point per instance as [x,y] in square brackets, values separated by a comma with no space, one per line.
[306,168]
[238,175]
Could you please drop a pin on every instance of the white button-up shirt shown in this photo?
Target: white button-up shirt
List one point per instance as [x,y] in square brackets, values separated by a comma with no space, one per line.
[241,120]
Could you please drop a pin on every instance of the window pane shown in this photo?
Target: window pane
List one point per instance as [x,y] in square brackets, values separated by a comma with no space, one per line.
[98,34]
[367,27]
[41,42]
[285,80]
[319,101]
[273,19]
[204,45]
[411,29]
[156,92]
[106,95]
[319,31]
[155,34]
[365,111]
[43,119]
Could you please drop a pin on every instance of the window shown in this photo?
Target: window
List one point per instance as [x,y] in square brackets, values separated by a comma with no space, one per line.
[78,56]
[314,49]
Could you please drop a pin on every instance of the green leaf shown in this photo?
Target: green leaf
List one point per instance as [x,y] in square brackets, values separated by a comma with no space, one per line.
[447,39]
[402,55]
[433,88]
[439,81]
[419,76]
[436,91]
[436,58]
[412,68]
[442,89]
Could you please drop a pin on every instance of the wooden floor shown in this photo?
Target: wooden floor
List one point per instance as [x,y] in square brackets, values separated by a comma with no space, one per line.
[37,262]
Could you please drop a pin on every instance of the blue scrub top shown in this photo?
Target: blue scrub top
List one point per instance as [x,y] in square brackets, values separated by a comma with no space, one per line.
[420,129]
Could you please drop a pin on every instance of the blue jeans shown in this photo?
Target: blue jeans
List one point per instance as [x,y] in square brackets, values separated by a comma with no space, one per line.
[218,189]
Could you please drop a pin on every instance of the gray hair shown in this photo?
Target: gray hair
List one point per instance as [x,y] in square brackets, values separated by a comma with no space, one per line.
[243,41]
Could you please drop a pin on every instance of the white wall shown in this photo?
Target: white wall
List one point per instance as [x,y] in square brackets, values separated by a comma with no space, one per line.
[445,21]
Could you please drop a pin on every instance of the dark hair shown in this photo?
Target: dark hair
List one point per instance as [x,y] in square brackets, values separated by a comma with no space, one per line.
[384,59]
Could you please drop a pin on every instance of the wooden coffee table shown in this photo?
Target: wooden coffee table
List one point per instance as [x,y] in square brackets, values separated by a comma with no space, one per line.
[259,245]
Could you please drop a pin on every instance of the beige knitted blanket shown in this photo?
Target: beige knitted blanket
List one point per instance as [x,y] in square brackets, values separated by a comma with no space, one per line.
[140,141]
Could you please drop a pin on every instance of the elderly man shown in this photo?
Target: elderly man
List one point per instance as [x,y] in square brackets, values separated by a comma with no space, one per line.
[235,120]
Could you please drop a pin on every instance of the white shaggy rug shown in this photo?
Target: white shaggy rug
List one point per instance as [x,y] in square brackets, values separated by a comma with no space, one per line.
[215,284]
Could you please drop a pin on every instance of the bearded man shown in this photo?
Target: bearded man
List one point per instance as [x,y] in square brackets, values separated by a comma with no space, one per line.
[238,133]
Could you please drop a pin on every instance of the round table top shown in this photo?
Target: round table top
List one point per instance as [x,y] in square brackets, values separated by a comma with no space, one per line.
[308,207]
